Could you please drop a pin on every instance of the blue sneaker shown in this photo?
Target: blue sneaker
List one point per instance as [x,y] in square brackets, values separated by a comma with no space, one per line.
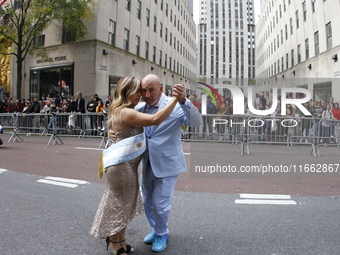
[150,237]
[159,244]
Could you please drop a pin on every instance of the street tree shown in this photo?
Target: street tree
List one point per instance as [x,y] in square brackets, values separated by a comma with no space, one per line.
[22,21]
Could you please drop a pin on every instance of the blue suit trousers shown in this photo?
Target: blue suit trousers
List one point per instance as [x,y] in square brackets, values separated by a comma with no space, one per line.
[157,198]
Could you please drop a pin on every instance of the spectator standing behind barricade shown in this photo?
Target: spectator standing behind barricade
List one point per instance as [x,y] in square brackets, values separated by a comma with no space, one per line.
[71,105]
[261,123]
[80,103]
[63,118]
[289,113]
[317,114]
[221,110]
[10,106]
[35,109]
[211,109]
[100,110]
[57,101]
[335,124]
[80,108]
[27,107]
[229,112]
[327,116]
[18,106]
[108,100]
[306,122]
[47,107]
[331,102]
[91,108]
[193,100]
[71,108]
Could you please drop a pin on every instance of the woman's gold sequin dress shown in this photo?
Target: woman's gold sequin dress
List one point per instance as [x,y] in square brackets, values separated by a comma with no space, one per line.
[121,201]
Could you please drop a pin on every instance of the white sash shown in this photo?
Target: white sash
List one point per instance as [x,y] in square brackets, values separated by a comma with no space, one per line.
[124,150]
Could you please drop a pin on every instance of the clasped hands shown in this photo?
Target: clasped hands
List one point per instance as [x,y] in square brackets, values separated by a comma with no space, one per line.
[179,92]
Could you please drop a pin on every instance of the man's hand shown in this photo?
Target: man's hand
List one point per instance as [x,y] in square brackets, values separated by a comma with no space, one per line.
[180,93]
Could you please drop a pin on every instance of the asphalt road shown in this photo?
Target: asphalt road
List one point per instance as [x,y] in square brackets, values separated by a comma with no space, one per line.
[209,214]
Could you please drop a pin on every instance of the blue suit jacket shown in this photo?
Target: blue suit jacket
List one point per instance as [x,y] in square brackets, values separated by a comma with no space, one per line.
[163,144]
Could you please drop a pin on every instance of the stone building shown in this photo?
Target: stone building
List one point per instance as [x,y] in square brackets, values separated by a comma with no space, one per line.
[298,45]
[125,38]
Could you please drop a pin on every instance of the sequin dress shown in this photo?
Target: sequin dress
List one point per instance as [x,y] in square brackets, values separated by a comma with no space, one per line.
[121,201]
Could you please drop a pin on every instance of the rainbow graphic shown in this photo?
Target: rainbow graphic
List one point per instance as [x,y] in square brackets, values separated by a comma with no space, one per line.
[216,97]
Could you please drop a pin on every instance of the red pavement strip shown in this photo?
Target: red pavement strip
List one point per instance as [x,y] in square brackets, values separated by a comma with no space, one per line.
[78,159]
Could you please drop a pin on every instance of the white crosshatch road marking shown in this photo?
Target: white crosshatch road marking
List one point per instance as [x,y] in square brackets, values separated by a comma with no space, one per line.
[65,182]
[2,170]
[265,199]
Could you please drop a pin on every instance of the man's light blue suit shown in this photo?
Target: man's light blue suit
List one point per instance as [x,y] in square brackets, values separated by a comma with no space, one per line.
[164,160]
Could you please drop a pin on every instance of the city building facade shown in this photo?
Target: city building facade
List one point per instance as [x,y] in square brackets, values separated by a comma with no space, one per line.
[125,38]
[226,47]
[298,46]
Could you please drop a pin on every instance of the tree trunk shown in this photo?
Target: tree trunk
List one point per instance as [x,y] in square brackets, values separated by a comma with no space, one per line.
[19,76]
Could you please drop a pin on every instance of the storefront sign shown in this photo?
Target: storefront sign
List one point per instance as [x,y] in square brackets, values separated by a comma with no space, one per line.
[51,60]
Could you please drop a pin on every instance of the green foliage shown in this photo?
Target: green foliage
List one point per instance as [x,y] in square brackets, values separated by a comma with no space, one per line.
[22,21]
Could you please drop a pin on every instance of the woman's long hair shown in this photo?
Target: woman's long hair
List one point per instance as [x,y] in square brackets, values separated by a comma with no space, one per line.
[126,87]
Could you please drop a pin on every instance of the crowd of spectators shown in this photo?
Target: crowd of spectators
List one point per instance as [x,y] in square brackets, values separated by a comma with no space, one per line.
[57,105]
[324,111]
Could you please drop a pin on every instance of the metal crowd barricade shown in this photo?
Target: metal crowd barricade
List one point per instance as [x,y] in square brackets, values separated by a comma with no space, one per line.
[327,133]
[283,130]
[230,129]
[218,128]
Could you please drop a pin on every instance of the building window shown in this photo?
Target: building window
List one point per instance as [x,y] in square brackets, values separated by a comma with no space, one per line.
[126,39]
[313,5]
[291,26]
[146,50]
[128,5]
[63,73]
[166,61]
[166,9]
[166,34]
[137,45]
[161,29]
[286,31]
[307,48]
[67,36]
[284,5]
[287,61]
[160,57]
[139,9]
[39,40]
[112,32]
[161,5]
[297,19]
[292,56]
[147,17]
[304,8]
[329,35]
[170,39]
[316,41]
[154,54]
[154,24]
[299,53]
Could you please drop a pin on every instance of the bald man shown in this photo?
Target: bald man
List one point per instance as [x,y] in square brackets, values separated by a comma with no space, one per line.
[164,159]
